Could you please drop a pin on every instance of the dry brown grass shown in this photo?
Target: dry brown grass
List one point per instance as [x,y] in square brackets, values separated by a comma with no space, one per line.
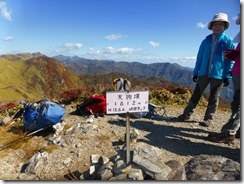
[10,137]
[14,137]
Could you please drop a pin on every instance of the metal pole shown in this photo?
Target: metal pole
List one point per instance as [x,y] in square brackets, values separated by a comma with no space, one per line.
[127,137]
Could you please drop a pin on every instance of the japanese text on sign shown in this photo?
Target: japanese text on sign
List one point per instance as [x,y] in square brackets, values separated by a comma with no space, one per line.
[123,102]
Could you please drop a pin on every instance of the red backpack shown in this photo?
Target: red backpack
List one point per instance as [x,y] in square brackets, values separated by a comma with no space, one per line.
[95,104]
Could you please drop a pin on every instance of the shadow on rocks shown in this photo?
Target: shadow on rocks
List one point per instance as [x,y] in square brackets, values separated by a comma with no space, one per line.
[180,140]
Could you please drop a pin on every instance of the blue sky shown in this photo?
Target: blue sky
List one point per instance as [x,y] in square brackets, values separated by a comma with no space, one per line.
[146,31]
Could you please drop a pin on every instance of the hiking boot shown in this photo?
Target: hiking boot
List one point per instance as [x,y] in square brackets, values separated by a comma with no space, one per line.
[206,123]
[238,134]
[183,117]
[222,138]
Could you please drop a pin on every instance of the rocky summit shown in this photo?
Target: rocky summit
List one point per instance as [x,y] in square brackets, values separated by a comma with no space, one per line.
[95,148]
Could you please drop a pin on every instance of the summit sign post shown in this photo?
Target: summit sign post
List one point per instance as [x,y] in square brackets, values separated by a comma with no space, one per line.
[125,102]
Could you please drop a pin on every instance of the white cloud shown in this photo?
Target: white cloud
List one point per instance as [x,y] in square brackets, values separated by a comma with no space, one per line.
[5,12]
[154,44]
[112,53]
[57,51]
[184,61]
[235,18]
[136,54]
[114,37]
[94,51]
[125,50]
[8,38]
[68,49]
[73,46]
[201,25]
[110,50]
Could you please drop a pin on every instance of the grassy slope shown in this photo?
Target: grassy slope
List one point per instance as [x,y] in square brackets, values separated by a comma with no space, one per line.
[11,80]
[30,80]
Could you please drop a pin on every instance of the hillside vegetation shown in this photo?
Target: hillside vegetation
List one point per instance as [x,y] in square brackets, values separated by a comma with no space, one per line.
[171,72]
[34,78]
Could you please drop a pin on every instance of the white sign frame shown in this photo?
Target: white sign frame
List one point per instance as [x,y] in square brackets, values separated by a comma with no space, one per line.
[120,102]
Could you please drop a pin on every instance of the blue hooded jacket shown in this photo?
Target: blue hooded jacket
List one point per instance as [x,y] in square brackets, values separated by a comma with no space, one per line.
[220,67]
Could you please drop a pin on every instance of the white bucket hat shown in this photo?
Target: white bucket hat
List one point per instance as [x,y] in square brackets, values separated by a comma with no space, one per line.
[219,17]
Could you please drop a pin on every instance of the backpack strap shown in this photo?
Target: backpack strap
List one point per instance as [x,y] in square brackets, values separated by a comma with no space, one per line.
[126,85]
[119,84]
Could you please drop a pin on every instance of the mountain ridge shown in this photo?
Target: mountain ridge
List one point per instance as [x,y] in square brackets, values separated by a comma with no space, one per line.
[171,72]
[34,76]
[39,76]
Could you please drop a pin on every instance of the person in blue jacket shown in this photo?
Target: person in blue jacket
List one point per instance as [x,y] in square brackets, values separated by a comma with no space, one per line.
[212,68]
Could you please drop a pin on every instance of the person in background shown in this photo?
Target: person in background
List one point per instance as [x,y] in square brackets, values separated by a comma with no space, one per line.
[212,68]
[231,129]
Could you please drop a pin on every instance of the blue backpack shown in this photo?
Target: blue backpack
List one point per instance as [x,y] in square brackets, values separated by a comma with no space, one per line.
[42,114]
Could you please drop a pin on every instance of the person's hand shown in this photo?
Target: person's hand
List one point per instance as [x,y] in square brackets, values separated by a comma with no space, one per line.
[230,73]
[194,78]
[231,54]
[226,82]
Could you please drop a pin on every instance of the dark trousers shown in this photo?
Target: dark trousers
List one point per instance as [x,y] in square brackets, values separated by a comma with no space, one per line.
[232,126]
[213,100]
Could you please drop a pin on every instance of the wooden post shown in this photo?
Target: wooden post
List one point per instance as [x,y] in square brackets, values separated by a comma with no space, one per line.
[127,137]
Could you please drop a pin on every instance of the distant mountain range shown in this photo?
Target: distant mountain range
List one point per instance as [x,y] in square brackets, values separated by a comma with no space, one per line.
[34,76]
[170,72]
